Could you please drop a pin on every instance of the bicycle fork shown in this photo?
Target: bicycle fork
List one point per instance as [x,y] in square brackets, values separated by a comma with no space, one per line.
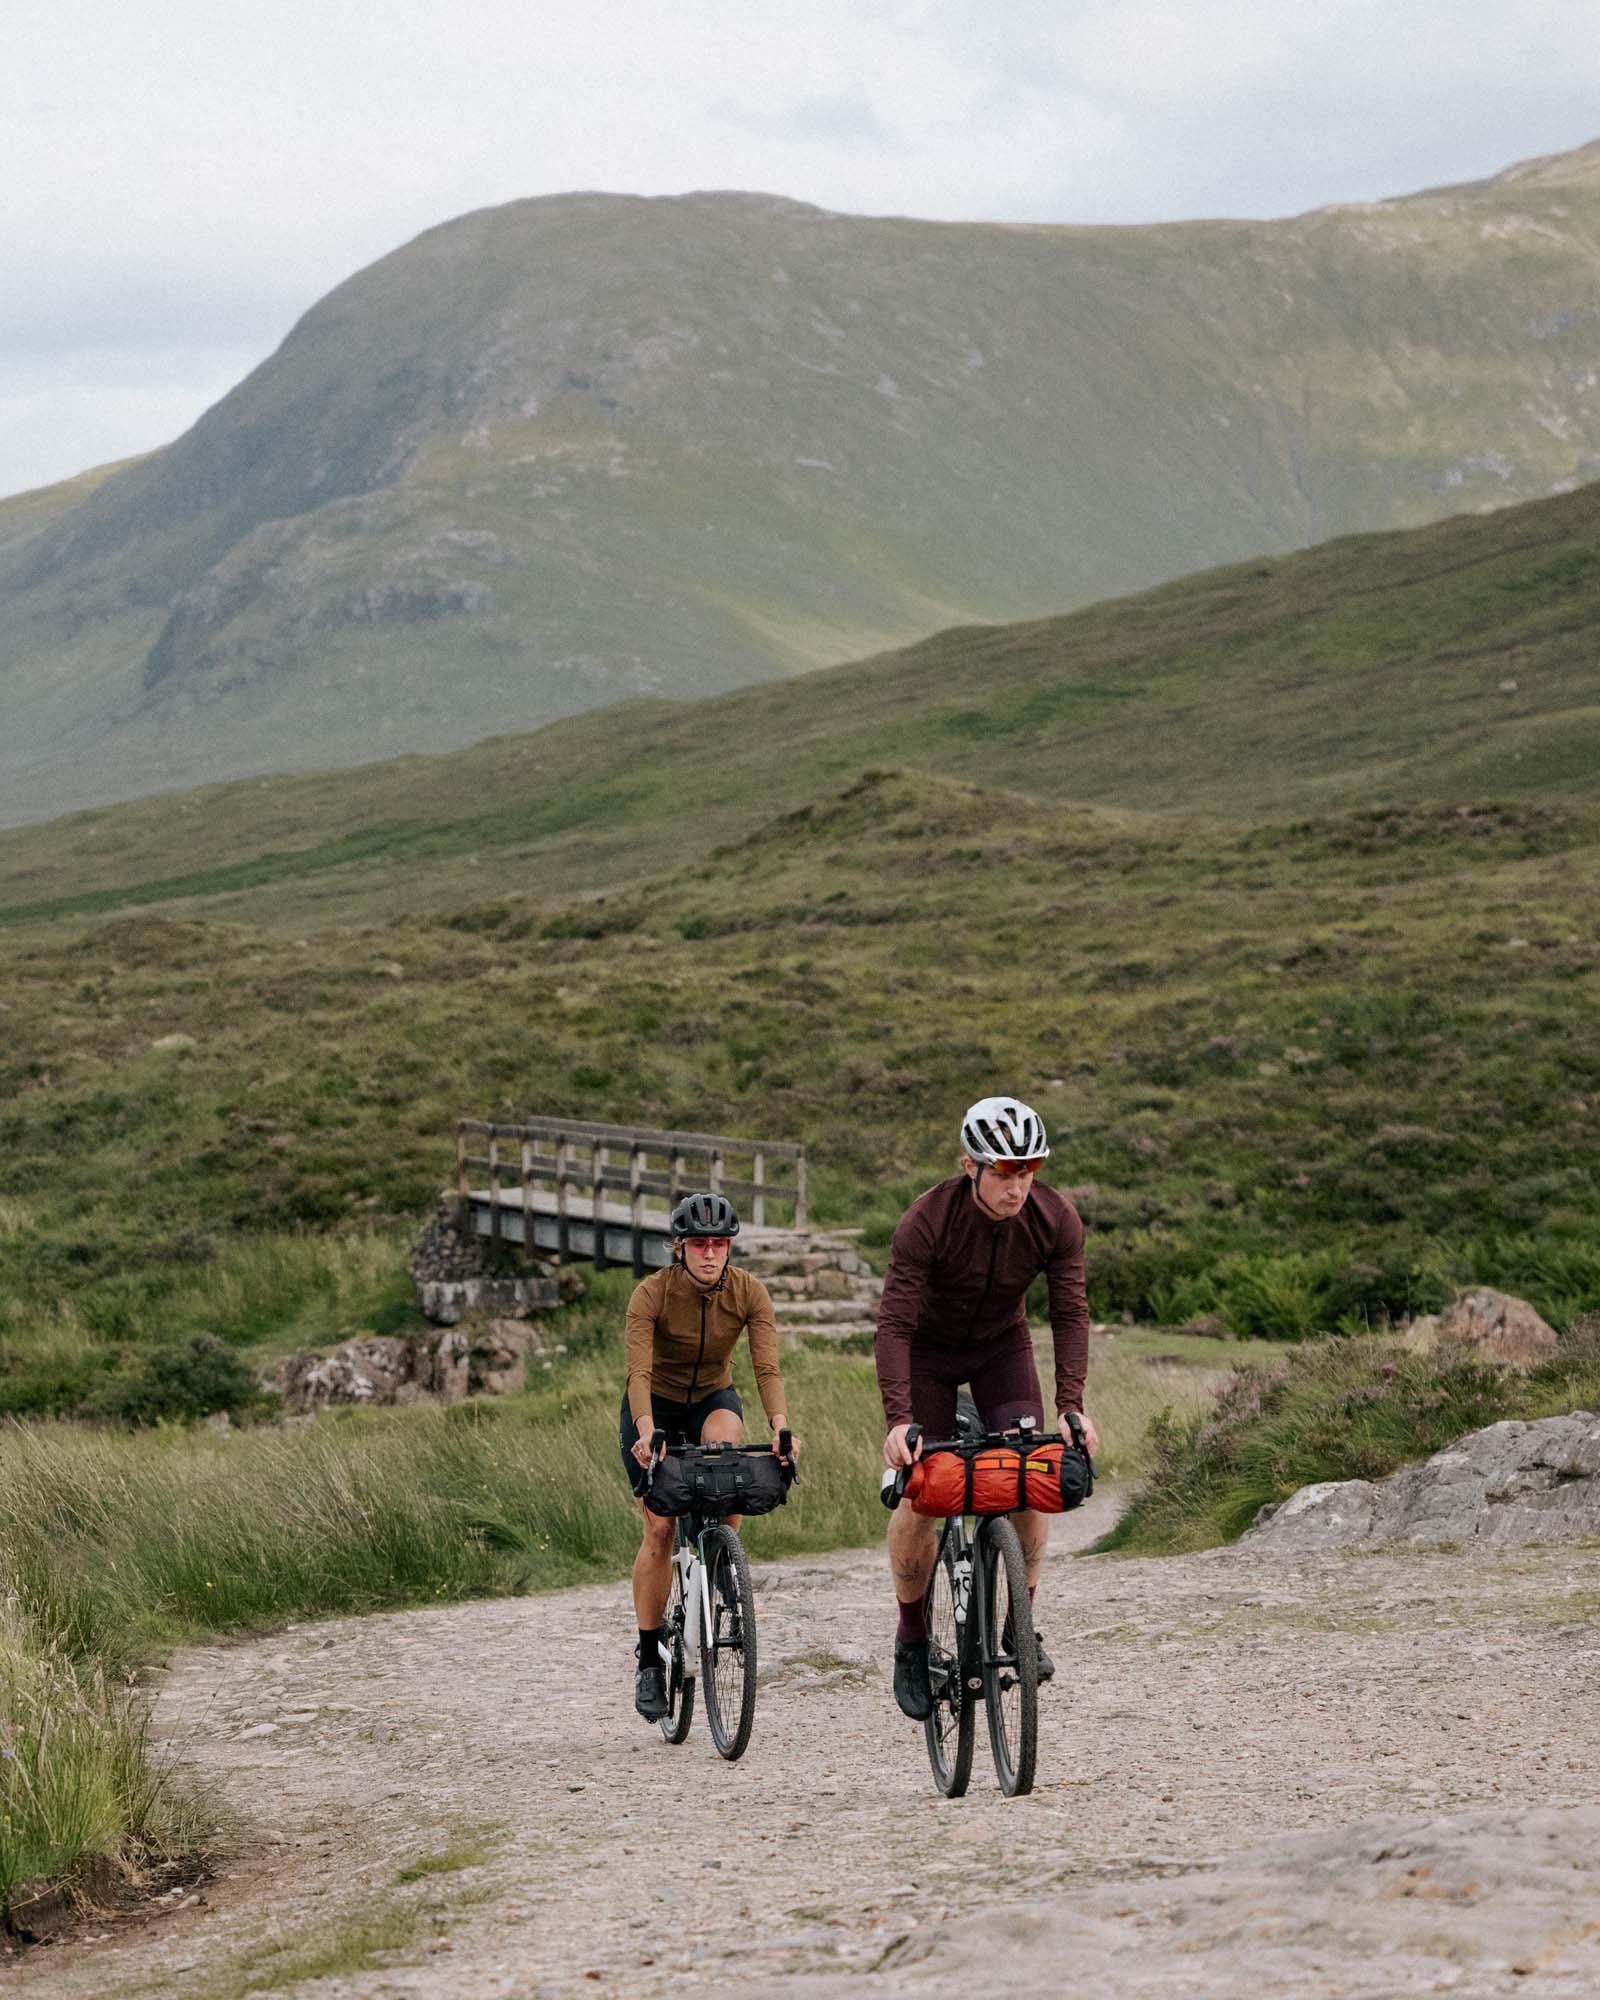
[961,1590]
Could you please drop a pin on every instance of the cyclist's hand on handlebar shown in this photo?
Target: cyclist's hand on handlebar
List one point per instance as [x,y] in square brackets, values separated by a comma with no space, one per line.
[789,1450]
[1091,1436]
[644,1446]
[896,1451]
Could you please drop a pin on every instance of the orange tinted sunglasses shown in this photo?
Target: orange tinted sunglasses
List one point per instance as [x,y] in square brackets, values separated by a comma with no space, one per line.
[1009,1169]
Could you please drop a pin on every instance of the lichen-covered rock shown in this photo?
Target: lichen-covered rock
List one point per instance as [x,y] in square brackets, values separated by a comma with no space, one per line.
[1511,1483]
[486,1358]
[369,1369]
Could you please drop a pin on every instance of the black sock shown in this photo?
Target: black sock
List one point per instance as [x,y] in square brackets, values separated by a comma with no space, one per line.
[648,1642]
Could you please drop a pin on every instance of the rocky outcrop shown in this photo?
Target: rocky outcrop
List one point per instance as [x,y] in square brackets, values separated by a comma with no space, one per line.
[1507,1329]
[487,1359]
[1512,1483]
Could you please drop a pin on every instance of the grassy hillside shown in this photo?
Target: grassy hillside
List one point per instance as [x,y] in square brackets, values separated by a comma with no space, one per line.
[574,450]
[1451,663]
[1320,1050]
[1312,1076]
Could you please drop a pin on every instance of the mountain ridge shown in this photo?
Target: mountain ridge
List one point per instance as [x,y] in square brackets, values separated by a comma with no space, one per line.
[586,447]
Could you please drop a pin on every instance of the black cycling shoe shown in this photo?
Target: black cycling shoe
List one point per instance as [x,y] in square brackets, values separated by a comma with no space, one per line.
[650,1688]
[1047,1666]
[911,1688]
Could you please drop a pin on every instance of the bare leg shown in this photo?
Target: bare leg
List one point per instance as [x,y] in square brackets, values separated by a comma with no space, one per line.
[723,1427]
[1033,1531]
[913,1550]
[652,1571]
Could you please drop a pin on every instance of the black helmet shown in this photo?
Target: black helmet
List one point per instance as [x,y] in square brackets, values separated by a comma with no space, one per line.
[704,1215]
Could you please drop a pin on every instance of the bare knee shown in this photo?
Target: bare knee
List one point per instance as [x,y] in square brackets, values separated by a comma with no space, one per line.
[657,1536]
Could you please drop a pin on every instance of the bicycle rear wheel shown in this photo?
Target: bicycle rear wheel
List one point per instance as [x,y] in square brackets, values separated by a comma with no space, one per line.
[680,1689]
[728,1658]
[1010,1655]
[949,1728]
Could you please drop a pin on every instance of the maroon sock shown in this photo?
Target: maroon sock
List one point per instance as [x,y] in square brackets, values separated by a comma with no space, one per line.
[913,1619]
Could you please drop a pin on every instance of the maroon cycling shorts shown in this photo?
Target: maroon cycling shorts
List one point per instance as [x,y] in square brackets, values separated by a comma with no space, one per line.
[1002,1375]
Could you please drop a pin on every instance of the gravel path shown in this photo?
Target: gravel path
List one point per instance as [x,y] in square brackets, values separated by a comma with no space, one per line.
[1212,1705]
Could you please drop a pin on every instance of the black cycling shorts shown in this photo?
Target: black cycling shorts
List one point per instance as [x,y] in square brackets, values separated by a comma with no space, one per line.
[1003,1377]
[682,1422]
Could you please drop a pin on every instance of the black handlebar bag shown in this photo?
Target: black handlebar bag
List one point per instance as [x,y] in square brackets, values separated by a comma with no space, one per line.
[732,1482]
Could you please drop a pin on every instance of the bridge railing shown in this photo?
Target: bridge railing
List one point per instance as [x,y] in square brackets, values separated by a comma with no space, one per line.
[582,1172]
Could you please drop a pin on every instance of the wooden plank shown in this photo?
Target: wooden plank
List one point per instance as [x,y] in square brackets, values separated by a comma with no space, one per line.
[652,1138]
[597,1161]
[636,1207]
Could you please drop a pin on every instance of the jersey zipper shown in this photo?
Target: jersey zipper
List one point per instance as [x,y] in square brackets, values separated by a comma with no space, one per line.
[694,1375]
[988,1276]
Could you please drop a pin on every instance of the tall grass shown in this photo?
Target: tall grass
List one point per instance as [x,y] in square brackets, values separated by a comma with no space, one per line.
[78,1784]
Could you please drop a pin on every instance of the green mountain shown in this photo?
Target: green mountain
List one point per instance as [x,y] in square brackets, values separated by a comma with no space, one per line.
[568,451]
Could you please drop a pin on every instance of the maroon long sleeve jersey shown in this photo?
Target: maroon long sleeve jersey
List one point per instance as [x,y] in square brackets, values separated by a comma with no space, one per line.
[958,1279]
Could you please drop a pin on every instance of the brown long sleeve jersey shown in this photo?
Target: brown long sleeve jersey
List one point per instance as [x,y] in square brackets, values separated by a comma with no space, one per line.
[959,1279]
[681,1338]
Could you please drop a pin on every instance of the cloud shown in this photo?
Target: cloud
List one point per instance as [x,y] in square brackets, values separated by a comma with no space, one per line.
[183,177]
[821,119]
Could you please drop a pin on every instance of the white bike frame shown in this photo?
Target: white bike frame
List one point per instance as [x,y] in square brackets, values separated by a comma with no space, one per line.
[696,1587]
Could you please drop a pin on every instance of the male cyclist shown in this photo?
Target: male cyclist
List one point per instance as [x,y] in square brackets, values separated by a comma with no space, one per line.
[953,1311]
[683,1325]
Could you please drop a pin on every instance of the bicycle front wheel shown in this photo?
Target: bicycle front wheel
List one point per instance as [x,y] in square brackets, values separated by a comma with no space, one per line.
[949,1728]
[680,1688]
[728,1656]
[1010,1656]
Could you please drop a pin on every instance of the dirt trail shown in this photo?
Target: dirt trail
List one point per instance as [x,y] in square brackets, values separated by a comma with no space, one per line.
[1211,1704]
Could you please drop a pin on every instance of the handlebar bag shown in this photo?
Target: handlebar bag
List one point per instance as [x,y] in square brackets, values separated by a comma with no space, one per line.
[731,1482]
[997,1479]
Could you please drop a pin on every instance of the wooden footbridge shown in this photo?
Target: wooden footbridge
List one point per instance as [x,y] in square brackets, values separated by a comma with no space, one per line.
[603,1193]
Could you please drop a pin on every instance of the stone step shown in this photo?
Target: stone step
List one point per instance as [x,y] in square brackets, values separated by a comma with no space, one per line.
[785,1310]
[825,1285]
[791,1331]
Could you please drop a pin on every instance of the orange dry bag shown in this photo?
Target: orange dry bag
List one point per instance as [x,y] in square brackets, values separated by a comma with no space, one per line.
[995,1479]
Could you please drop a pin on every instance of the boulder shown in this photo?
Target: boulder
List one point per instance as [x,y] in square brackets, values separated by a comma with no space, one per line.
[499,1359]
[449,1376]
[369,1369]
[1511,1483]
[1506,1329]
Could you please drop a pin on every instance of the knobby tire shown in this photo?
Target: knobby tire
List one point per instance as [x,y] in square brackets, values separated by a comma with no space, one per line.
[949,1728]
[1010,1656]
[728,1662]
[680,1690]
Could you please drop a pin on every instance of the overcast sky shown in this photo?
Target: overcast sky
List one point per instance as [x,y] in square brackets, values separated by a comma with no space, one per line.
[181,179]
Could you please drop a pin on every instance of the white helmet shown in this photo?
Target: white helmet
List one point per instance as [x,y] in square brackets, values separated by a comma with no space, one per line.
[1003,1128]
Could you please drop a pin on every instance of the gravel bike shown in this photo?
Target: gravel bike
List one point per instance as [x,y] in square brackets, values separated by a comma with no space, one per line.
[710,1626]
[980,1629]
